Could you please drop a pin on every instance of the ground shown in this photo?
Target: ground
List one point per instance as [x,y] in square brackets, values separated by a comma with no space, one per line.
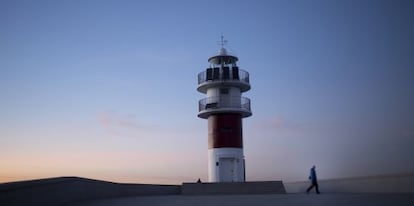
[240,200]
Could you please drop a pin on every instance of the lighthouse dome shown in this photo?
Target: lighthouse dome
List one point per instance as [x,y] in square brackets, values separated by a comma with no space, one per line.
[222,51]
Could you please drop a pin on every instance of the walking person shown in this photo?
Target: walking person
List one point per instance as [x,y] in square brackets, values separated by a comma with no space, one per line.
[314,181]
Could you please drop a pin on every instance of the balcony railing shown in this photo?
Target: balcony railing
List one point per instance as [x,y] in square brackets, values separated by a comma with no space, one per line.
[232,103]
[223,74]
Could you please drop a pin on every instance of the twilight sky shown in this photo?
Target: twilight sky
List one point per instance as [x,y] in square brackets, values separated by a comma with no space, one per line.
[106,89]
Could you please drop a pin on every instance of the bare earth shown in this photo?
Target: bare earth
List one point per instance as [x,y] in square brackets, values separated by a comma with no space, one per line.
[240,200]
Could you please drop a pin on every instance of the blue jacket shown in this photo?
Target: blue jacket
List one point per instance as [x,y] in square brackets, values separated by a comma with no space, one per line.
[312,175]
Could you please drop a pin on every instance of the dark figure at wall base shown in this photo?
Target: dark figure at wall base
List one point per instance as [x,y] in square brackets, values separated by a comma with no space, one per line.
[314,181]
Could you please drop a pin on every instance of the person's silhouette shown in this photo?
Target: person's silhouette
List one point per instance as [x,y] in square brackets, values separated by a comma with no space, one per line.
[314,181]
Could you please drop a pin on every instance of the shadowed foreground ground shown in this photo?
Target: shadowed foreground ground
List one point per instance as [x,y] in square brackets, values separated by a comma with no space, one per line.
[72,191]
[240,200]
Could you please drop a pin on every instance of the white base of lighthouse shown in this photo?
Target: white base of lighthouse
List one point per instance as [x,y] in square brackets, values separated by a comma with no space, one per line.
[226,165]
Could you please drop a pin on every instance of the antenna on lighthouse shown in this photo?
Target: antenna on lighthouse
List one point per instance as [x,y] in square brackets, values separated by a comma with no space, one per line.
[222,50]
[222,41]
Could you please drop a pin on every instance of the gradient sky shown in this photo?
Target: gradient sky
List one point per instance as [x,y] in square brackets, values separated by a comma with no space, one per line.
[106,89]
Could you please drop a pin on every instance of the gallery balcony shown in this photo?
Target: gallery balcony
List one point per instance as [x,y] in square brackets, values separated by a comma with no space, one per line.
[224,76]
[217,104]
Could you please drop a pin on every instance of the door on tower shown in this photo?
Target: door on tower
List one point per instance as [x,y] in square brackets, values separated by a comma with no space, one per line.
[227,169]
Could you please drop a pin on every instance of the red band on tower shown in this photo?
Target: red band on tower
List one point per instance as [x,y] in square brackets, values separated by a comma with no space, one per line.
[225,130]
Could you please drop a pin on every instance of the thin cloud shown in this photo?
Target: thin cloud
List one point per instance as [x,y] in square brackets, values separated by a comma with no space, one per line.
[117,123]
[105,120]
[276,122]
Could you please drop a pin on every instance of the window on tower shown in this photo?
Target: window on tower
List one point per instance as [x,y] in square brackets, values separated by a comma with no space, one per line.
[224,91]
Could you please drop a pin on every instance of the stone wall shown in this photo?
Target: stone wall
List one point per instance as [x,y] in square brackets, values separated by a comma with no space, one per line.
[225,188]
[58,191]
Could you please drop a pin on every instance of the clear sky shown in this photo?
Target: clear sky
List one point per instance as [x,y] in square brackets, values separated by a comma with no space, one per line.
[106,89]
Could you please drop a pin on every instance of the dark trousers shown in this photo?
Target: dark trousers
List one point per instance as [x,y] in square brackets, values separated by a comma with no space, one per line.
[314,184]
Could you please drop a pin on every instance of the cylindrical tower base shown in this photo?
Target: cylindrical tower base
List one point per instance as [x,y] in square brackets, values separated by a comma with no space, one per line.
[226,165]
[225,152]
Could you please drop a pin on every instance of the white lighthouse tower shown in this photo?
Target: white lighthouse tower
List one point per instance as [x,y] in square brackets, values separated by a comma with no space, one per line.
[224,107]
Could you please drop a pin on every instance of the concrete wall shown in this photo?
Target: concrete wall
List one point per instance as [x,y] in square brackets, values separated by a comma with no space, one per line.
[225,188]
[403,183]
[58,191]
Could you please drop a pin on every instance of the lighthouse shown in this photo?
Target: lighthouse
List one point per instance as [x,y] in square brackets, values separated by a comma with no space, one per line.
[224,107]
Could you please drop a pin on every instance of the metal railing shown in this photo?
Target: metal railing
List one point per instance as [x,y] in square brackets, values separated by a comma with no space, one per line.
[218,102]
[243,76]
